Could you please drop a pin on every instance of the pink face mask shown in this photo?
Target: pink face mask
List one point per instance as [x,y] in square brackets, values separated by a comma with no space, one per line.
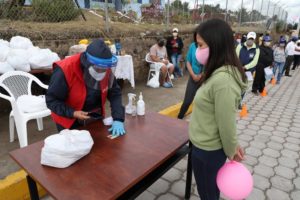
[202,55]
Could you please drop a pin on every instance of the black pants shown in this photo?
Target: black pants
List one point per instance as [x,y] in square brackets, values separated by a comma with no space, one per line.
[287,65]
[259,79]
[190,92]
[296,61]
[206,165]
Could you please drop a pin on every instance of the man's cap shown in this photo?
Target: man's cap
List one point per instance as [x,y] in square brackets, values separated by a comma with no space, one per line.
[99,54]
[251,35]
[294,38]
[175,30]
[267,38]
[282,40]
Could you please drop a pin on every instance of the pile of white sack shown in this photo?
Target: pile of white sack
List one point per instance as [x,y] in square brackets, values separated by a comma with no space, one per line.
[20,54]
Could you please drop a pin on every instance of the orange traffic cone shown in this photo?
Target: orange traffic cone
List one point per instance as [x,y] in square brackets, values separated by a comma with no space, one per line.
[244,111]
[264,92]
[273,81]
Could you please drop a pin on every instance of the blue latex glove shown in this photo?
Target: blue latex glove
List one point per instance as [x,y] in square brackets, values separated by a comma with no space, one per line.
[117,128]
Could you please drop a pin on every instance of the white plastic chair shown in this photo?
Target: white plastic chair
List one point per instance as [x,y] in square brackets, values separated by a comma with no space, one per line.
[18,83]
[153,68]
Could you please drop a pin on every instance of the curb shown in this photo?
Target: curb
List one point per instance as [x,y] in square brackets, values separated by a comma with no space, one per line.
[14,186]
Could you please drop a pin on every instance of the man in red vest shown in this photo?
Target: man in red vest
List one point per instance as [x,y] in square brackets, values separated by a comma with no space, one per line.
[80,85]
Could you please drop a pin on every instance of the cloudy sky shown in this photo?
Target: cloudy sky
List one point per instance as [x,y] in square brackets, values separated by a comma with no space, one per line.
[291,6]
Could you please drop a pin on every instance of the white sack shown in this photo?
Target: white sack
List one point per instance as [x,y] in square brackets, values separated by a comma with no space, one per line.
[43,59]
[63,149]
[4,51]
[19,42]
[19,53]
[32,103]
[19,63]
[268,73]
[5,67]
[32,51]
[75,49]
[4,42]
[154,81]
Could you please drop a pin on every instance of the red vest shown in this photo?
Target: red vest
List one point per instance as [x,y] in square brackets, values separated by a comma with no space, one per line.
[71,68]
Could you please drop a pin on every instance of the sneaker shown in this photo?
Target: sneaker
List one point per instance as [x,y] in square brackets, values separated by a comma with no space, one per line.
[167,85]
[278,82]
[288,75]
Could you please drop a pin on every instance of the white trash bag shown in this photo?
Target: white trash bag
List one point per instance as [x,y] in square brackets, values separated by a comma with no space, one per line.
[19,42]
[268,73]
[154,81]
[43,59]
[19,63]
[4,52]
[63,149]
[32,103]
[5,67]
[4,42]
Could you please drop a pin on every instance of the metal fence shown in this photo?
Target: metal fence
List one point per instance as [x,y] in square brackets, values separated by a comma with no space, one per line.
[242,13]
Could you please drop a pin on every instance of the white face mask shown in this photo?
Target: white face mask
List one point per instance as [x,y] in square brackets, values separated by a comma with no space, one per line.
[97,76]
[175,34]
[267,44]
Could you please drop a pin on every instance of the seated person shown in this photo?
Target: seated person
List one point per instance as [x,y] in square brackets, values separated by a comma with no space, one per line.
[158,54]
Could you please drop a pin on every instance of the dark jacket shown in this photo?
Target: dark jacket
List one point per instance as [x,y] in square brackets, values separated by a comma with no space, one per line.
[265,57]
[58,90]
[170,48]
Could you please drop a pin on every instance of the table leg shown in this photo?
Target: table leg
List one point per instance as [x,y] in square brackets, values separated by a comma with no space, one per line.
[34,194]
[189,174]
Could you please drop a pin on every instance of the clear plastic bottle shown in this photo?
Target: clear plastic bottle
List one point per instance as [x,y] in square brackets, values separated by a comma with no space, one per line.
[133,108]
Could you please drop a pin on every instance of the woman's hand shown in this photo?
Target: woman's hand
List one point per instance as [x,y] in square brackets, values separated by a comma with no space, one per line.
[81,115]
[196,77]
[239,154]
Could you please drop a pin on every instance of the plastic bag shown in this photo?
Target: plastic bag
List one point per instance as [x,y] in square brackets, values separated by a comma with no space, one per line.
[4,42]
[43,59]
[268,73]
[19,63]
[5,67]
[4,52]
[32,103]
[154,81]
[75,49]
[19,42]
[63,149]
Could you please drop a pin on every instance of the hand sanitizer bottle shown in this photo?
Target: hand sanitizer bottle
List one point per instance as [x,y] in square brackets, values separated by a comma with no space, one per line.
[141,105]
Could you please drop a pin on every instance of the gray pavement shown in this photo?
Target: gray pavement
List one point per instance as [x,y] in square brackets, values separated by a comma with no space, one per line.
[271,138]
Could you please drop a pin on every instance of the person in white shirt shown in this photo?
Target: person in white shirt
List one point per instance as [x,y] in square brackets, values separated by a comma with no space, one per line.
[290,51]
[296,55]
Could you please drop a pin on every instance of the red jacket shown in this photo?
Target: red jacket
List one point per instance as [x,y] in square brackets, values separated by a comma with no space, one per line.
[77,90]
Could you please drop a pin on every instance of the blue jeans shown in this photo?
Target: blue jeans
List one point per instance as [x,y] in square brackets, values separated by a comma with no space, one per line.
[206,165]
[175,57]
[280,67]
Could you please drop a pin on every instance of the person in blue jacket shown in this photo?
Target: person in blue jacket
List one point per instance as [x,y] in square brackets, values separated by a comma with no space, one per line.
[80,85]
[195,70]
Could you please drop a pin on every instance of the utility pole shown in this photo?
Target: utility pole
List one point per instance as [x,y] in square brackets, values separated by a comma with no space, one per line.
[106,16]
[251,16]
[298,27]
[168,15]
[274,9]
[241,12]
[202,14]
[226,11]
[262,3]
[268,8]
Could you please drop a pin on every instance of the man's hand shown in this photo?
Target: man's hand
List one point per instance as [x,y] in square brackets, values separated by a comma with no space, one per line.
[81,115]
[165,61]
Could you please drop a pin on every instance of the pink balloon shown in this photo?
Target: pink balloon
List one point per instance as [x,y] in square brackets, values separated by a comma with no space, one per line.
[234,180]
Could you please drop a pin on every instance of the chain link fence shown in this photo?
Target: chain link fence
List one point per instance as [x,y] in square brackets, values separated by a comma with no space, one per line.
[87,14]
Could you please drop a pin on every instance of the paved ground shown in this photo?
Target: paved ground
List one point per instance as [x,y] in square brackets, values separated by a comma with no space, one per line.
[270,136]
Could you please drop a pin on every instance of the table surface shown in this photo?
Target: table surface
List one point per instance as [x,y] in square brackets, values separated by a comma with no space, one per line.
[113,166]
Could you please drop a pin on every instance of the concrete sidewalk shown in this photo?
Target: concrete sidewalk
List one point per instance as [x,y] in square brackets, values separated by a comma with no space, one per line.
[270,135]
